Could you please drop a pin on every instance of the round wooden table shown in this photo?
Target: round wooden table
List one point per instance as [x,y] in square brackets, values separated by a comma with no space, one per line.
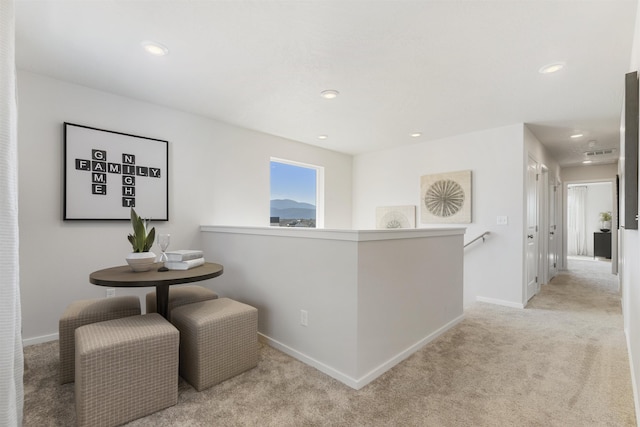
[124,277]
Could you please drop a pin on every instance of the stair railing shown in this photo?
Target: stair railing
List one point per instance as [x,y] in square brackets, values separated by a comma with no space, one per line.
[482,236]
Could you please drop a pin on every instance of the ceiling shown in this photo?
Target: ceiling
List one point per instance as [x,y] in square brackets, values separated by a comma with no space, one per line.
[440,68]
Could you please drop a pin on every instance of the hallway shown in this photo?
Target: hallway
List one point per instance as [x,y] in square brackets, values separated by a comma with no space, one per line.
[582,315]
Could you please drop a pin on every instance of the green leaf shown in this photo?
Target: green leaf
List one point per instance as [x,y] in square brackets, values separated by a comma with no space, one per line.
[149,240]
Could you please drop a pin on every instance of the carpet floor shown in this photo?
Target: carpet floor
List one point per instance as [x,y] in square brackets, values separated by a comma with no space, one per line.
[562,361]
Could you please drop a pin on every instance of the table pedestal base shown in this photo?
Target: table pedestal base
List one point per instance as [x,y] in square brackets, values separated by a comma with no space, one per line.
[162,300]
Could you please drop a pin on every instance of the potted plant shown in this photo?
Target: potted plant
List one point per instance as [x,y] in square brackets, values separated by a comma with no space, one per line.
[605,221]
[141,258]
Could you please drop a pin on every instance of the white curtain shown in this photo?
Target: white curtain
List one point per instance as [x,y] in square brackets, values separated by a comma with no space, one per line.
[11,357]
[577,221]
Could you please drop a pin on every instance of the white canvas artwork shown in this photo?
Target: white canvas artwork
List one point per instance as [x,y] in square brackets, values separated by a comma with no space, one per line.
[395,217]
[446,198]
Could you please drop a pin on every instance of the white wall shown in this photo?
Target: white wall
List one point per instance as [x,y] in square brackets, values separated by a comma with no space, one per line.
[629,265]
[589,173]
[493,270]
[219,174]
[372,297]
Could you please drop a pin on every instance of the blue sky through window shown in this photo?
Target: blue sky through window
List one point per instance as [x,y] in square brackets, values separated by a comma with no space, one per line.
[293,182]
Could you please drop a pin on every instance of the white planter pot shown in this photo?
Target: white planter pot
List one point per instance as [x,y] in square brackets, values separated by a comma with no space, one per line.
[605,226]
[141,261]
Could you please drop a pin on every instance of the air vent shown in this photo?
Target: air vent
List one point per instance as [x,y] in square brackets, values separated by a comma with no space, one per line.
[600,152]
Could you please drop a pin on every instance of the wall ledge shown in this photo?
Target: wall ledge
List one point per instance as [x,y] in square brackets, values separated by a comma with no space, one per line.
[335,234]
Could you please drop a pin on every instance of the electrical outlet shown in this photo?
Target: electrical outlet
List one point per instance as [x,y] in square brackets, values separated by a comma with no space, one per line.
[304,318]
[502,220]
[111,292]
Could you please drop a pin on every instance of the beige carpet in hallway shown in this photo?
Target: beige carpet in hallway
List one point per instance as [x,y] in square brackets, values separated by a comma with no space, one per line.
[560,362]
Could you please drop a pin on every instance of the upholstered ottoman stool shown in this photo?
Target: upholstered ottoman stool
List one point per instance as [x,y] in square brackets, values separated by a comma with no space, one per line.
[218,340]
[85,312]
[125,369]
[179,296]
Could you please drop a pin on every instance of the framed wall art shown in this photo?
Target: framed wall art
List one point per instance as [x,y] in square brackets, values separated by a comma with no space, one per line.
[631,137]
[446,198]
[106,173]
[395,217]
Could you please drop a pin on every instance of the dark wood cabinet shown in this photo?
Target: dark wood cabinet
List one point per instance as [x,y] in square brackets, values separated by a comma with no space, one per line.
[602,245]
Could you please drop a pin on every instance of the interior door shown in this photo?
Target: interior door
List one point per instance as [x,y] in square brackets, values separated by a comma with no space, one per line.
[553,230]
[531,238]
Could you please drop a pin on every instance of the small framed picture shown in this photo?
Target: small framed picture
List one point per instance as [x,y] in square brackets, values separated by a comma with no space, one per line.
[107,173]
[395,217]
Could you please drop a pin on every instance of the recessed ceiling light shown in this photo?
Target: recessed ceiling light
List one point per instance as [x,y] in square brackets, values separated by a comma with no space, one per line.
[329,94]
[155,48]
[551,68]
[416,134]
[322,137]
[576,135]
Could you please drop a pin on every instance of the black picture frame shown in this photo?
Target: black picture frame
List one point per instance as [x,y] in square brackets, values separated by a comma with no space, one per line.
[631,125]
[106,173]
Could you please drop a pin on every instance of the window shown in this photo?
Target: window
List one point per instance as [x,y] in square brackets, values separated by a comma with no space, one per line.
[296,194]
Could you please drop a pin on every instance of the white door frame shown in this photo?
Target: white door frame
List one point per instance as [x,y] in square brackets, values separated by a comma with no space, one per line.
[543,224]
[555,203]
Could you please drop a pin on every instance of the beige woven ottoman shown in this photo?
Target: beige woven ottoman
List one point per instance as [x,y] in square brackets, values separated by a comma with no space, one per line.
[218,340]
[179,296]
[125,369]
[85,312]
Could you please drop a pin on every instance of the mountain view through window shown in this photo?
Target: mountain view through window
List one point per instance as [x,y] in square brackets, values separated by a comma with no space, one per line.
[293,195]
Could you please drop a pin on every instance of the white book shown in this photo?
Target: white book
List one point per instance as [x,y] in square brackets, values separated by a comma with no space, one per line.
[184,265]
[184,254]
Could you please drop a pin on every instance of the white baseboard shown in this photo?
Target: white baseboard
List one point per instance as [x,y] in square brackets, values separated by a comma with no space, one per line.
[373,374]
[39,340]
[307,360]
[500,302]
[634,384]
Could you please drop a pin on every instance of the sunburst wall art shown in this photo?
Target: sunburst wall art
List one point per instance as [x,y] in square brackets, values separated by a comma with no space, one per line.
[446,198]
[396,217]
